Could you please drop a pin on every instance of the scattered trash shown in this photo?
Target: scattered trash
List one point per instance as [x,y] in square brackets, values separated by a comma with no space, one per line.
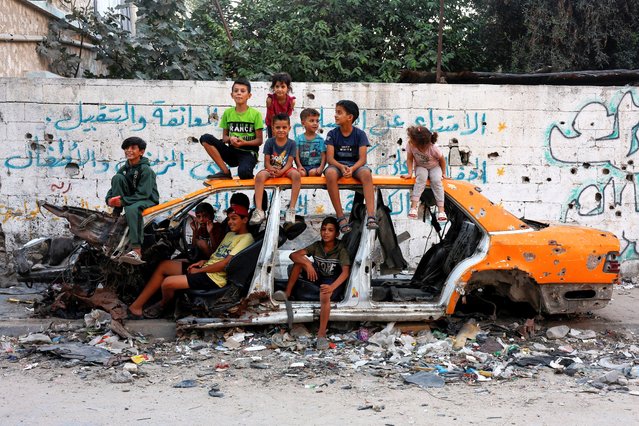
[385,338]
[142,358]
[130,367]
[235,341]
[186,384]
[582,334]
[35,339]
[425,379]
[254,348]
[260,366]
[97,319]
[215,391]
[429,356]
[85,353]
[242,363]
[222,366]
[558,332]
[18,301]
[362,334]
[299,330]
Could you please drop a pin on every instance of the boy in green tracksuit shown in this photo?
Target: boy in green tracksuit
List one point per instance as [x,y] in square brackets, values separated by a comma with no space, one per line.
[133,188]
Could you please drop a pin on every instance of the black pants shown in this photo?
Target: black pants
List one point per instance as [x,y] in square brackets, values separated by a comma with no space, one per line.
[245,161]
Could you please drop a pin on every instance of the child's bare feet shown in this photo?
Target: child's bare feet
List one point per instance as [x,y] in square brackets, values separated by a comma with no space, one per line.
[321,343]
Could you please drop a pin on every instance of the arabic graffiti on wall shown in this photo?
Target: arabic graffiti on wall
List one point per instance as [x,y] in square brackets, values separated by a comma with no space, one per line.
[600,141]
[87,117]
[63,153]
[73,142]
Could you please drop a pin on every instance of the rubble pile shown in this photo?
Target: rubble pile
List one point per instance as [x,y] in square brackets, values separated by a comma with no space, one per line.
[427,355]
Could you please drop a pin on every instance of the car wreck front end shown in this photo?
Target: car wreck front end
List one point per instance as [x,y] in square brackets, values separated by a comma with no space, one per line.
[557,269]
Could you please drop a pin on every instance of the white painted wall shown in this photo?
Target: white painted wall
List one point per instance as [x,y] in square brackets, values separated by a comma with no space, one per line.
[538,150]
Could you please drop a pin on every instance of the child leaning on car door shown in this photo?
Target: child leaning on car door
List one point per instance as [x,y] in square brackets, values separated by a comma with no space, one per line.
[133,189]
[429,164]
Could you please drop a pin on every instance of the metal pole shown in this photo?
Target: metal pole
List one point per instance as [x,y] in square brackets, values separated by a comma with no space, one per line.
[439,42]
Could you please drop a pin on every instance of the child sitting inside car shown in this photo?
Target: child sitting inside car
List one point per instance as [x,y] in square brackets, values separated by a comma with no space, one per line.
[329,270]
[172,275]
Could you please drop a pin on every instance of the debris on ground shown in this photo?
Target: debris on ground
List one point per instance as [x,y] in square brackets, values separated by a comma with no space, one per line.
[450,352]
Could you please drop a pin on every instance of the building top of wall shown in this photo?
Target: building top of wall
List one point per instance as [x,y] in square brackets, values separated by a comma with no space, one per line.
[568,78]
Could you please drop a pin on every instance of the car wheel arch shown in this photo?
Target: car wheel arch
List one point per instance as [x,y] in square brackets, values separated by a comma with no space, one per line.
[515,284]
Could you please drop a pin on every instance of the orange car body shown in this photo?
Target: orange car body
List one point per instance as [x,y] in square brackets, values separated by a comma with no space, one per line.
[557,269]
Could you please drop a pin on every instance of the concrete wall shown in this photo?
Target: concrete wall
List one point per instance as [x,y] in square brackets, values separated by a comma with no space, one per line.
[550,153]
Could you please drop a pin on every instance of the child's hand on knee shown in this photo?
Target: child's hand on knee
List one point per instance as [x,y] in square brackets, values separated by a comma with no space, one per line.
[326,289]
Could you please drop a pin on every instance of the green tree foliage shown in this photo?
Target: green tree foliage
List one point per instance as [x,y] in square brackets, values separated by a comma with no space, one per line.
[342,40]
[561,35]
[351,40]
[167,44]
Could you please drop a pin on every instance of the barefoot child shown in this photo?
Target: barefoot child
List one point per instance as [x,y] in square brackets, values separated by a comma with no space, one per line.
[346,157]
[279,154]
[172,275]
[329,270]
[429,163]
[311,150]
[279,101]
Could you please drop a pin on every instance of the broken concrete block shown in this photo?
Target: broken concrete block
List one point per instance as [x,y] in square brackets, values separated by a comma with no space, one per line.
[121,377]
[557,332]
[582,334]
[130,367]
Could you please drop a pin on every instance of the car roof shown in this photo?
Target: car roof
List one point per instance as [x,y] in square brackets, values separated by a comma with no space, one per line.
[492,217]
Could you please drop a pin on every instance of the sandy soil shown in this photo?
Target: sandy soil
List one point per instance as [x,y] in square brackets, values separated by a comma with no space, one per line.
[44,390]
[49,394]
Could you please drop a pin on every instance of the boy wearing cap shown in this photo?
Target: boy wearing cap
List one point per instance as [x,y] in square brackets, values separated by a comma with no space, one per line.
[346,147]
[133,188]
[172,275]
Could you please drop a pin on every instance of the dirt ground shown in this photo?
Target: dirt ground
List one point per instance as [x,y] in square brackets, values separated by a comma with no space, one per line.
[328,389]
[68,396]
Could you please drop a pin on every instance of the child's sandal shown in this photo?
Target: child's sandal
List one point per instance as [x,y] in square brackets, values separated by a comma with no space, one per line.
[346,227]
[371,222]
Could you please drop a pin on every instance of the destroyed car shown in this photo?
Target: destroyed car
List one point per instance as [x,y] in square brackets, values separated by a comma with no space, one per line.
[406,271]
